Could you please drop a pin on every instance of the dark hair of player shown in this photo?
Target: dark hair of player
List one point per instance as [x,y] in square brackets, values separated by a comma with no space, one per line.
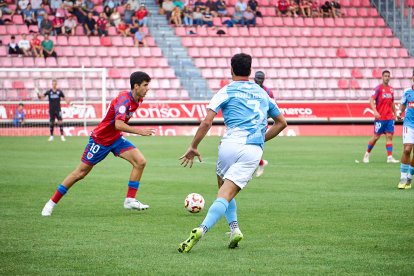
[241,65]
[386,71]
[138,78]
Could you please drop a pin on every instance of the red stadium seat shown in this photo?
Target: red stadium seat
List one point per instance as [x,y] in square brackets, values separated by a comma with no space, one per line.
[343,84]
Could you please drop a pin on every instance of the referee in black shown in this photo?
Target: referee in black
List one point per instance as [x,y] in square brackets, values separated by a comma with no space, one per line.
[54,95]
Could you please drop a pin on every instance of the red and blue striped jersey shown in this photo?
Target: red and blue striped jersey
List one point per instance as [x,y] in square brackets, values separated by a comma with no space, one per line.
[384,100]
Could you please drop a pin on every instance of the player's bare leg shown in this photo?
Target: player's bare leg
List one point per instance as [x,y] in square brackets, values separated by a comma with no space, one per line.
[79,173]
[388,146]
[231,217]
[405,167]
[60,124]
[371,144]
[138,162]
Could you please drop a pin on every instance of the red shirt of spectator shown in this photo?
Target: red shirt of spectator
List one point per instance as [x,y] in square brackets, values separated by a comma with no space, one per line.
[283,5]
[102,22]
[57,22]
[141,13]
[122,26]
[35,42]
[384,100]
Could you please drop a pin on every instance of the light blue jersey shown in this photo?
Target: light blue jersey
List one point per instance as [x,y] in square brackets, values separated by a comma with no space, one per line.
[245,107]
[408,100]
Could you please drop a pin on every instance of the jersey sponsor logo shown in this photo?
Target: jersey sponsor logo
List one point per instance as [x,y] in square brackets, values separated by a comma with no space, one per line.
[386,96]
[122,109]
[411,104]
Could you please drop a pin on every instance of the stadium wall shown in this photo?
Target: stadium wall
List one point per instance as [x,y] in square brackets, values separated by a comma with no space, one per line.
[315,118]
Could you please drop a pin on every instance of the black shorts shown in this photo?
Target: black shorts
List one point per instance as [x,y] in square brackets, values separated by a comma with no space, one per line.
[55,114]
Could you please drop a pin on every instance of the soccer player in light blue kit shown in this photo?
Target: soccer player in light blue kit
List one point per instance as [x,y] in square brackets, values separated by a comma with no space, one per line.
[245,107]
[407,164]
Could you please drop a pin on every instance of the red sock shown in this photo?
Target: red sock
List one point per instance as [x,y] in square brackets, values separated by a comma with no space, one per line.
[261,162]
[60,192]
[132,192]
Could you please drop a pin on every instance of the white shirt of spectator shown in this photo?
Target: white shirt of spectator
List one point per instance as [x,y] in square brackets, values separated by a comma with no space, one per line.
[241,5]
[36,4]
[24,44]
[23,4]
[55,4]
[70,23]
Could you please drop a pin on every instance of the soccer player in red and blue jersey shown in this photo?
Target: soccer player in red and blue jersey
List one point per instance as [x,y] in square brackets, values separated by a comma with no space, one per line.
[259,78]
[107,137]
[382,104]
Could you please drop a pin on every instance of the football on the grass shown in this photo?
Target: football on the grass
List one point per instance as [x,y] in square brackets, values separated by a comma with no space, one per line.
[194,203]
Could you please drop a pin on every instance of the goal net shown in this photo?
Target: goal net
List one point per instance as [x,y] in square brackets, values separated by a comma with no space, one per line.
[84,88]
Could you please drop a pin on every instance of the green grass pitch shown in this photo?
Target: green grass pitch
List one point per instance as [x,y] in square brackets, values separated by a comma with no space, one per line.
[314,211]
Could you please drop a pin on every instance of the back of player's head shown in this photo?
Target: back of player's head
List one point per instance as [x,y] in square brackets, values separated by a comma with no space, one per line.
[241,64]
[138,78]
[385,72]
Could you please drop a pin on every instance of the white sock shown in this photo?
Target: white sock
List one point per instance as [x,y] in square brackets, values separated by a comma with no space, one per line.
[404,175]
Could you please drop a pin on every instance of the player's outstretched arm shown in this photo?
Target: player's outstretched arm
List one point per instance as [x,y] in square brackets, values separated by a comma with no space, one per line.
[279,125]
[205,125]
[122,126]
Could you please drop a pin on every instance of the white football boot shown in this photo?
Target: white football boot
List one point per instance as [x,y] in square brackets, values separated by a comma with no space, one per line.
[51,138]
[62,138]
[133,204]
[391,159]
[366,158]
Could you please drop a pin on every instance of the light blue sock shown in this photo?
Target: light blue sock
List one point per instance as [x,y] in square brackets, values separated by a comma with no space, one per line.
[231,213]
[216,211]
[404,170]
[410,172]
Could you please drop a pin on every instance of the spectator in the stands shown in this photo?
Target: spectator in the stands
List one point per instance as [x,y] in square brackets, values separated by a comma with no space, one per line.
[37,5]
[142,15]
[179,4]
[14,47]
[176,17]
[41,14]
[188,16]
[36,46]
[68,5]
[46,27]
[123,28]
[237,18]
[78,11]
[48,47]
[21,6]
[57,23]
[221,8]
[24,46]
[108,12]
[200,4]
[249,18]
[102,23]
[18,120]
[283,8]
[29,16]
[89,25]
[254,5]
[212,7]
[115,18]
[89,6]
[326,10]
[4,7]
[197,17]
[316,11]
[111,3]
[70,25]
[207,17]
[134,4]
[128,14]
[241,5]
[139,38]
[167,7]
[55,4]
[305,8]
[293,8]
[336,9]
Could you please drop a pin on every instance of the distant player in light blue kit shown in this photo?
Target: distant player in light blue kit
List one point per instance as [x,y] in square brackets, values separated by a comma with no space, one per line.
[245,107]
[407,164]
